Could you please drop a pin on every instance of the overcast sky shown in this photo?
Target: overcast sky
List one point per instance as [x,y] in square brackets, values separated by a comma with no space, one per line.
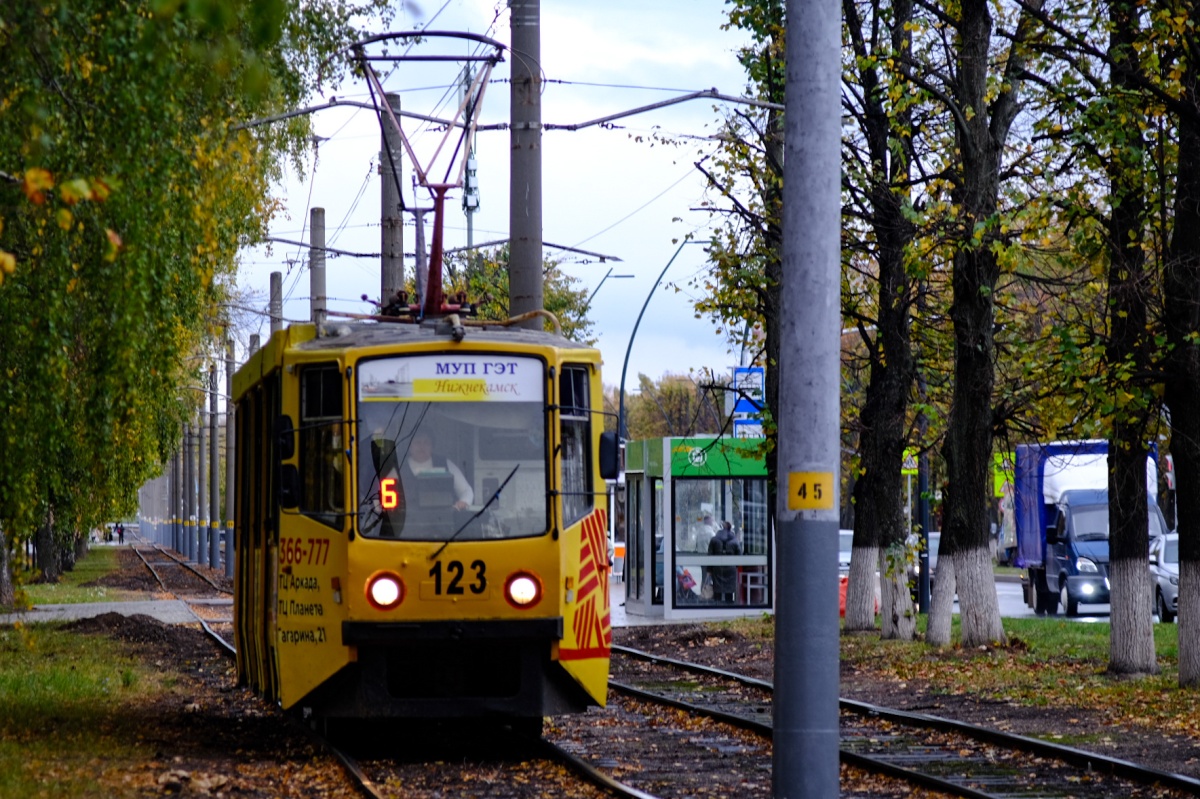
[612,191]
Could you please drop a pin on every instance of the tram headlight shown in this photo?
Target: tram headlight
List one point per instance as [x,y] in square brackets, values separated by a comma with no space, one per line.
[385,590]
[523,590]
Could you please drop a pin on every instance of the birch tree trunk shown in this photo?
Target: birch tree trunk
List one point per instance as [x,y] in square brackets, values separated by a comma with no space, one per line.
[941,603]
[898,617]
[860,593]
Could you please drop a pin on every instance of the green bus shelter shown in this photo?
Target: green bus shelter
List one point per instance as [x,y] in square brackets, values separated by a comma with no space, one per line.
[698,528]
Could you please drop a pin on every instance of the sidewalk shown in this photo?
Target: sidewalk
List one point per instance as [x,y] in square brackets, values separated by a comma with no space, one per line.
[168,611]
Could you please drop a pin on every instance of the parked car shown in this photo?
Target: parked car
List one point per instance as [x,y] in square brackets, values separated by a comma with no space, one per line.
[845,546]
[1164,573]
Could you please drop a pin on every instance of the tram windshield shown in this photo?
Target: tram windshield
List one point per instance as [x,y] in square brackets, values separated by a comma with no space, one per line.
[452,446]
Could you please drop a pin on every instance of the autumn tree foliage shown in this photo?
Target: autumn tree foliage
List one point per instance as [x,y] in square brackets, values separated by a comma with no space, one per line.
[483,276]
[125,191]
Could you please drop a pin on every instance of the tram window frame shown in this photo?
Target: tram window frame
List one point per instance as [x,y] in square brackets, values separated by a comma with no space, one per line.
[575,434]
[322,470]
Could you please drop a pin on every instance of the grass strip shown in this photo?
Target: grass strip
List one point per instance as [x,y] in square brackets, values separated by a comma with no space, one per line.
[66,726]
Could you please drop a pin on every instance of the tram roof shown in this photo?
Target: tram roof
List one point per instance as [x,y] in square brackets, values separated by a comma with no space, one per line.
[342,335]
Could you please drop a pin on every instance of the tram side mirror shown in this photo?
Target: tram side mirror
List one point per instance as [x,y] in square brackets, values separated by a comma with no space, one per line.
[609,451]
[285,437]
[289,486]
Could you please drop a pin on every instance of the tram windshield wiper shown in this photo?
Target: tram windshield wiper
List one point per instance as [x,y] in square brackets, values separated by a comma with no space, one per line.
[493,498]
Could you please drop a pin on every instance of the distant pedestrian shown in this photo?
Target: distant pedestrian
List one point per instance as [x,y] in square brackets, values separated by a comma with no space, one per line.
[120,533]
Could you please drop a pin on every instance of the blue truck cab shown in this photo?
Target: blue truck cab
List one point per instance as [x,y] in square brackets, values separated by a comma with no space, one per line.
[1061,504]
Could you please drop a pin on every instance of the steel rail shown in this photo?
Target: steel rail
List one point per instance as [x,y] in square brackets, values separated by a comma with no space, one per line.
[1086,761]
[591,773]
[764,728]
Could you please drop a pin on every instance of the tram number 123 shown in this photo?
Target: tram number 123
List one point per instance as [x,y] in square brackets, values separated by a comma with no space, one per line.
[449,579]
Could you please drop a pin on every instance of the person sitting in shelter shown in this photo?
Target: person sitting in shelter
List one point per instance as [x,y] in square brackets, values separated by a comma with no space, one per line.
[724,577]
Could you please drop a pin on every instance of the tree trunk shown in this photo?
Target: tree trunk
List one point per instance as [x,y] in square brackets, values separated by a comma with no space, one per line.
[1189,622]
[941,604]
[982,124]
[860,593]
[968,449]
[1182,307]
[898,618]
[1131,642]
[979,607]
[879,523]
[7,595]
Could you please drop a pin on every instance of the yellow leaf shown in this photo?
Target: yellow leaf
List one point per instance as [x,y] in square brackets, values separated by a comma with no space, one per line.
[75,190]
[114,244]
[65,218]
[8,263]
[37,180]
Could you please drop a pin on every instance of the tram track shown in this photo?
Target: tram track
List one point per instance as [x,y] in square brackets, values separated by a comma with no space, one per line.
[656,736]
[934,753]
[375,776]
[168,570]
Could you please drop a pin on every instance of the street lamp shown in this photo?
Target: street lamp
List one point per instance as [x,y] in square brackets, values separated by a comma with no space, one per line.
[624,368]
[592,296]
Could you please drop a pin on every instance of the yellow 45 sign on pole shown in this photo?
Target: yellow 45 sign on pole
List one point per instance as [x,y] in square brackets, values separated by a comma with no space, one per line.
[810,491]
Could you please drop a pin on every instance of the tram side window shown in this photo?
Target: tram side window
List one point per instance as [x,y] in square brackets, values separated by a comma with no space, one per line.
[575,419]
[321,457]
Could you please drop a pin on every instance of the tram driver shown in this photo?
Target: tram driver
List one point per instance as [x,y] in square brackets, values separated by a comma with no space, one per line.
[421,470]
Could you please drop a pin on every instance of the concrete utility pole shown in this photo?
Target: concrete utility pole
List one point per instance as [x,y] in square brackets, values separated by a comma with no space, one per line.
[175,510]
[316,265]
[201,553]
[806,620]
[276,307]
[230,457]
[422,264]
[392,241]
[214,460]
[525,162]
[189,493]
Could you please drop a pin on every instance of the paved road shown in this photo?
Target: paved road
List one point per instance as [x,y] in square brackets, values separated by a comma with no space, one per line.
[1012,605]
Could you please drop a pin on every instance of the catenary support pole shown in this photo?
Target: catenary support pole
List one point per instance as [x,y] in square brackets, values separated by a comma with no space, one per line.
[808,466]
[392,205]
[174,513]
[316,265]
[189,495]
[525,162]
[421,273]
[230,457]
[214,462]
[276,306]
[201,553]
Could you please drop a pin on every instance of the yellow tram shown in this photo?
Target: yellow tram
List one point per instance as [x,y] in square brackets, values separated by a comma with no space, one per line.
[422,521]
